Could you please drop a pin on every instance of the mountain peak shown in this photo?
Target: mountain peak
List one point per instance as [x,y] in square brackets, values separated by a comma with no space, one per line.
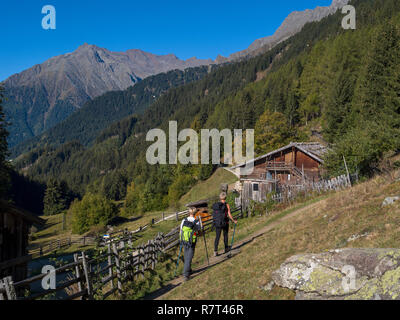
[83,46]
[339,3]
[294,22]
[86,46]
[62,84]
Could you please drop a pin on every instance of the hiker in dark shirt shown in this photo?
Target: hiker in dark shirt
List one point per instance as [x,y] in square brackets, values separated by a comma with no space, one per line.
[222,215]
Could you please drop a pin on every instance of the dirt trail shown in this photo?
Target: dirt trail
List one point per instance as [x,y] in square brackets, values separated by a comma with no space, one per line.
[160,293]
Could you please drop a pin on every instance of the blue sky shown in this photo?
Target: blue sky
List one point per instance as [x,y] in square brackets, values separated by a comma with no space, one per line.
[186,28]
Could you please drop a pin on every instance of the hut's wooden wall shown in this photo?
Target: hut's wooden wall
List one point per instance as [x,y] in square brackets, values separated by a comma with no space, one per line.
[259,170]
[311,166]
[287,172]
[13,245]
[260,195]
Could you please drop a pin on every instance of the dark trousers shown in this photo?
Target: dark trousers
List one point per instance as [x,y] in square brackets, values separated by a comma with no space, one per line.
[218,235]
[188,257]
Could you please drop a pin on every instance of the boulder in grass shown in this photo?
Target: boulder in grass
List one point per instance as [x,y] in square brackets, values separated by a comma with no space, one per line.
[389,201]
[345,274]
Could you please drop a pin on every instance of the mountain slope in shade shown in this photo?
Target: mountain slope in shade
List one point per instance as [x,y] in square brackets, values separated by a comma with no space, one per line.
[94,116]
[290,26]
[44,95]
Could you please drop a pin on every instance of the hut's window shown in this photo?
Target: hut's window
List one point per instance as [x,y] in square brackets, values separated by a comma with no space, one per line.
[255,187]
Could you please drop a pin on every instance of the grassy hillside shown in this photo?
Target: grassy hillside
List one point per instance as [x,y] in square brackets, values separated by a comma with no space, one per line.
[210,187]
[326,224]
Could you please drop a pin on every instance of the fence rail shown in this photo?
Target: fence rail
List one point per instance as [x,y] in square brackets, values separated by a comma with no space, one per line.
[105,273]
[60,244]
[87,240]
[289,192]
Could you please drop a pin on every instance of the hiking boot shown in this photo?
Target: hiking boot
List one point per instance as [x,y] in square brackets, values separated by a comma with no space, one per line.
[227,250]
[215,254]
[185,279]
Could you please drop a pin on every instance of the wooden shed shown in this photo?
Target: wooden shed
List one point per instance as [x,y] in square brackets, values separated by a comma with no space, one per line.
[295,164]
[14,231]
[202,209]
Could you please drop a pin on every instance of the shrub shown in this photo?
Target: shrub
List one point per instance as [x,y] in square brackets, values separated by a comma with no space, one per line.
[92,210]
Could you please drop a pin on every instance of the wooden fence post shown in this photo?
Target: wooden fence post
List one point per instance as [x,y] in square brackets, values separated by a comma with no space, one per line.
[156,249]
[87,276]
[122,248]
[153,260]
[8,285]
[146,246]
[142,259]
[137,263]
[347,171]
[109,261]
[77,271]
[177,216]
[163,216]
[130,240]
[118,267]
[2,287]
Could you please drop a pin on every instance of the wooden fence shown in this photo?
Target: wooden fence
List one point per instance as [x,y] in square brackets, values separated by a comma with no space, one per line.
[164,217]
[124,233]
[288,193]
[105,273]
[58,244]
[66,242]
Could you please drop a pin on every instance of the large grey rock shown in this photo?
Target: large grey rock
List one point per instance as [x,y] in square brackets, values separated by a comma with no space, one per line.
[389,201]
[330,275]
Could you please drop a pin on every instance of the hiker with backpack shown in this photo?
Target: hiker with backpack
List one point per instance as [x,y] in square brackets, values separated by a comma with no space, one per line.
[222,215]
[190,228]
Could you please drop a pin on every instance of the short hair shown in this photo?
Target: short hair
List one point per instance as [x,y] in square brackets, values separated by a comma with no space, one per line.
[222,196]
[192,210]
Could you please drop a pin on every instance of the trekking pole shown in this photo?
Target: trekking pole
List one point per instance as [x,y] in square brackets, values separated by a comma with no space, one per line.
[233,237]
[205,242]
[179,257]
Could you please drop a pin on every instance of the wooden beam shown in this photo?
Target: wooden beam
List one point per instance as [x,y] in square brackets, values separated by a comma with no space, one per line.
[15,262]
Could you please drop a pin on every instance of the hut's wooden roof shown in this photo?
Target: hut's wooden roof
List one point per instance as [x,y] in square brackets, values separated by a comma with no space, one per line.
[6,207]
[314,150]
[198,204]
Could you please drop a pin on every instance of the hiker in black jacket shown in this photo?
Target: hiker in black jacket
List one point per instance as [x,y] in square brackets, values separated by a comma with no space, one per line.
[222,215]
